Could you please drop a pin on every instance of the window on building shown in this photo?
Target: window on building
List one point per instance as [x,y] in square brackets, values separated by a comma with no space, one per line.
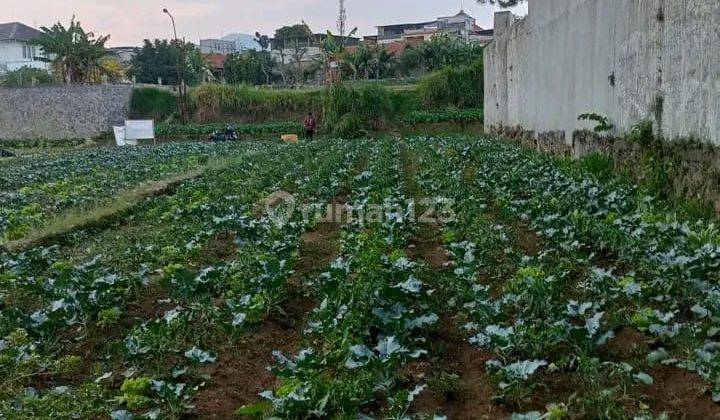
[29,52]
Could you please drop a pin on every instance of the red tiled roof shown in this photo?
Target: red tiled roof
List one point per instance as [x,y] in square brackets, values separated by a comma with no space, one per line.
[397,47]
[216,61]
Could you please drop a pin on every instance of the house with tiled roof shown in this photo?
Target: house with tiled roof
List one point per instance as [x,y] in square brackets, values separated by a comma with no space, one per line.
[460,25]
[16,50]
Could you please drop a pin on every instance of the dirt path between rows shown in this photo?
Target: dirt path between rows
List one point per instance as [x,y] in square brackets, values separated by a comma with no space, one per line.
[459,387]
[241,372]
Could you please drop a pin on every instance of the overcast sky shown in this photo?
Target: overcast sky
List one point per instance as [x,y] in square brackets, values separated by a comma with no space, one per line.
[130,21]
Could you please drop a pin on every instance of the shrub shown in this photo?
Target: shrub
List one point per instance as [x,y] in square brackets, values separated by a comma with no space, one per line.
[452,86]
[444,115]
[598,164]
[26,76]
[602,124]
[211,101]
[152,103]
[176,130]
[352,112]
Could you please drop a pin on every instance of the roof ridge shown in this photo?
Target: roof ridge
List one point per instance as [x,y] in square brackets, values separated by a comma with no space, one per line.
[18,31]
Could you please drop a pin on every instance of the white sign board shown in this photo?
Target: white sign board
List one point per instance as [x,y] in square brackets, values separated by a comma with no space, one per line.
[139,130]
[119,135]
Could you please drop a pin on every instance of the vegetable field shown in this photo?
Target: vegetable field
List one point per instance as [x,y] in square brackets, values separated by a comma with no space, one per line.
[412,278]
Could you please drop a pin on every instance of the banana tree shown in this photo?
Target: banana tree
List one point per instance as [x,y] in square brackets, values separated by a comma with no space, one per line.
[332,51]
[75,54]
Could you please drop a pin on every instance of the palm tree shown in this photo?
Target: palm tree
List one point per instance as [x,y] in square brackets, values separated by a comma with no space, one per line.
[74,53]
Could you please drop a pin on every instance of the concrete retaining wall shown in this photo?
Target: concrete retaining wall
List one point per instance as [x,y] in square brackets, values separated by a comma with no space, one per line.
[62,112]
[626,60]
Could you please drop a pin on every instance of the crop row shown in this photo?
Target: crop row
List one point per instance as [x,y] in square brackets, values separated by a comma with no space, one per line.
[35,189]
[94,296]
[372,317]
[444,115]
[194,130]
[595,264]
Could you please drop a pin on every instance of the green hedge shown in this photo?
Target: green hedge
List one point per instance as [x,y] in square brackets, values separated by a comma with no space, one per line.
[175,130]
[460,87]
[212,101]
[152,103]
[352,112]
[444,115]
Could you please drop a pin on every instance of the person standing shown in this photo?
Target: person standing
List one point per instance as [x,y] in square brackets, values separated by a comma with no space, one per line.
[310,126]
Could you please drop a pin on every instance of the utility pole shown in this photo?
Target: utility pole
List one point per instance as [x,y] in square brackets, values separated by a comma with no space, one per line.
[342,19]
[180,79]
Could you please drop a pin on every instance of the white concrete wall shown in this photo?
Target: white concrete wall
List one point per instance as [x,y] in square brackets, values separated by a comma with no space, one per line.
[543,71]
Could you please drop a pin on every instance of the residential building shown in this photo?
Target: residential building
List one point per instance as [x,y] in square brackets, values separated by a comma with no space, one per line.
[216,64]
[217,46]
[16,50]
[460,25]
[284,50]
[482,36]
[124,54]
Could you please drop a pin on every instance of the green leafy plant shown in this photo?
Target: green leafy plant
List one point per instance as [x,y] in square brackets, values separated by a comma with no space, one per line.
[602,124]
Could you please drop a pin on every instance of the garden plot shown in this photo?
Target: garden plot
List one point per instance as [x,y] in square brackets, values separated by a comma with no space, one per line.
[550,293]
[36,189]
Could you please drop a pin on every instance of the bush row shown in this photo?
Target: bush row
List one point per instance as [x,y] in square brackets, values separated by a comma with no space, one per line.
[174,130]
[348,110]
[444,115]
[454,86]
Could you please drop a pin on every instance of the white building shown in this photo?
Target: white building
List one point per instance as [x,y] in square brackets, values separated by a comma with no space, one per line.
[460,25]
[15,50]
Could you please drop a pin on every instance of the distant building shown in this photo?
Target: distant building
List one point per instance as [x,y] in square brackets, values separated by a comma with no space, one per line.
[217,46]
[15,48]
[216,64]
[482,36]
[124,55]
[460,25]
[284,49]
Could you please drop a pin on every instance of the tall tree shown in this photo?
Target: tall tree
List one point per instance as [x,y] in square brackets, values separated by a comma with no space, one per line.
[266,65]
[159,58]
[438,52]
[75,54]
[292,41]
[251,67]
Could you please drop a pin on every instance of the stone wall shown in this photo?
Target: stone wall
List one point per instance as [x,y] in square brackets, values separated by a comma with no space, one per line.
[626,60]
[62,112]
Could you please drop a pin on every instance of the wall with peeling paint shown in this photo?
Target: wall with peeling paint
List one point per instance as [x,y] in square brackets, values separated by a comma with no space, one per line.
[628,60]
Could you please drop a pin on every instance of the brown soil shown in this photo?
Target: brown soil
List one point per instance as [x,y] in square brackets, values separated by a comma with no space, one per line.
[430,249]
[220,248]
[629,344]
[471,397]
[241,374]
[318,248]
[683,394]
[528,240]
